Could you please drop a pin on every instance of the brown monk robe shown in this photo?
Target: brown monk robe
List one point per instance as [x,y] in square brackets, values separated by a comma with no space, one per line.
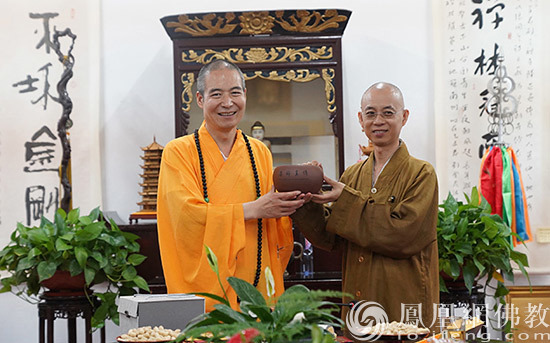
[387,236]
[383,217]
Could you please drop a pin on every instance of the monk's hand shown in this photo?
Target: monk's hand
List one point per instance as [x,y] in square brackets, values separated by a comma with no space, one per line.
[273,205]
[329,196]
[314,163]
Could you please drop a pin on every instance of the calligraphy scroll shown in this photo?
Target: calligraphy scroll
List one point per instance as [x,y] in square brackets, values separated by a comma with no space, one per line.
[30,150]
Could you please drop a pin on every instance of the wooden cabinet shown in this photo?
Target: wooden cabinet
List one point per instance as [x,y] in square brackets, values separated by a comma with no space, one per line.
[326,266]
[292,63]
[151,268]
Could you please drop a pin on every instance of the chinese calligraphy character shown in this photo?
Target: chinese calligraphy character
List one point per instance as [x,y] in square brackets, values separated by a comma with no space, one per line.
[481,63]
[46,92]
[39,154]
[46,22]
[478,14]
[30,87]
[28,82]
[498,18]
[35,199]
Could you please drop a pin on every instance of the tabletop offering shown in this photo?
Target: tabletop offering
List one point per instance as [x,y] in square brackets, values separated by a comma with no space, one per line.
[305,178]
[147,334]
[396,330]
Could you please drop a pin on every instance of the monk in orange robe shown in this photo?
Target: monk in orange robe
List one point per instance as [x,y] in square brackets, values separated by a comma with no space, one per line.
[216,189]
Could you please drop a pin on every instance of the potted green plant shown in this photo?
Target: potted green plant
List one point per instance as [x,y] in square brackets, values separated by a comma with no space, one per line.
[86,246]
[474,244]
[299,314]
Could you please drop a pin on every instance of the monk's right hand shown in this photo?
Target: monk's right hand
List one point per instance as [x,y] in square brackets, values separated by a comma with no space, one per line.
[273,205]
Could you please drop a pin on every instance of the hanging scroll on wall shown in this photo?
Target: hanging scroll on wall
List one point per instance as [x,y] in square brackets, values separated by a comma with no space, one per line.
[471,35]
[31,107]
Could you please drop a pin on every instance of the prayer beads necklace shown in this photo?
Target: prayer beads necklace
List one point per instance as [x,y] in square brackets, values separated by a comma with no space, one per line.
[258,194]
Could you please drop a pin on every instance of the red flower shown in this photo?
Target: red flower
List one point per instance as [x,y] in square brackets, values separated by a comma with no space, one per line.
[245,336]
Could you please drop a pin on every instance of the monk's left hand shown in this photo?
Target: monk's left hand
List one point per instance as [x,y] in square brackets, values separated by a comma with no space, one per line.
[329,196]
[273,205]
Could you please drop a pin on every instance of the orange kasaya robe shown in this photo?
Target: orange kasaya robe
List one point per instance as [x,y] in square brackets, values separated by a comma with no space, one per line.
[186,222]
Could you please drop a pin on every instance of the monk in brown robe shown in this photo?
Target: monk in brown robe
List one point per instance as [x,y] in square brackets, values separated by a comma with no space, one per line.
[216,189]
[383,217]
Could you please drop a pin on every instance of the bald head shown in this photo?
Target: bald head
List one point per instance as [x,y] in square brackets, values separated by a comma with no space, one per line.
[383,88]
[383,115]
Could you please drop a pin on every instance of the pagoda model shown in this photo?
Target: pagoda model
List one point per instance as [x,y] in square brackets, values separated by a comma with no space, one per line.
[150,176]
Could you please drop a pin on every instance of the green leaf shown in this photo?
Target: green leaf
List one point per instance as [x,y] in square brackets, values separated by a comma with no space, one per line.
[203,320]
[60,225]
[299,288]
[60,245]
[100,314]
[45,222]
[141,283]
[221,317]
[81,256]
[91,231]
[129,273]
[479,266]
[61,212]
[38,236]
[501,290]
[442,286]
[24,263]
[100,259]
[108,239]
[455,269]
[246,291]
[34,252]
[459,258]
[228,311]
[21,251]
[474,198]
[260,311]
[212,296]
[46,269]
[316,334]
[465,248]
[73,216]
[89,275]
[94,214]
[469,272]
[129,236]
[136,259]
[450,205]
[68,236]
[519,257]
[75,268]
[84,220]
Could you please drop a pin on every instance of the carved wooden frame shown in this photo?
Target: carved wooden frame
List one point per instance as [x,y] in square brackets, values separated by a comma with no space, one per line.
[289,46]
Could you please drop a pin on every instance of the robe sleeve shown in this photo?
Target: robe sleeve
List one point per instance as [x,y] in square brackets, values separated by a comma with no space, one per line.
[311,220]
[186,223]
[397,230]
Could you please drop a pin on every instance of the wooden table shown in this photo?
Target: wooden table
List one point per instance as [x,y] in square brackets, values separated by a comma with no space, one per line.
[67,307]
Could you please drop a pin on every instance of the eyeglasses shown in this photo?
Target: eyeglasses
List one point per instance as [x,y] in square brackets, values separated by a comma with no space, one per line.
[386,114]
